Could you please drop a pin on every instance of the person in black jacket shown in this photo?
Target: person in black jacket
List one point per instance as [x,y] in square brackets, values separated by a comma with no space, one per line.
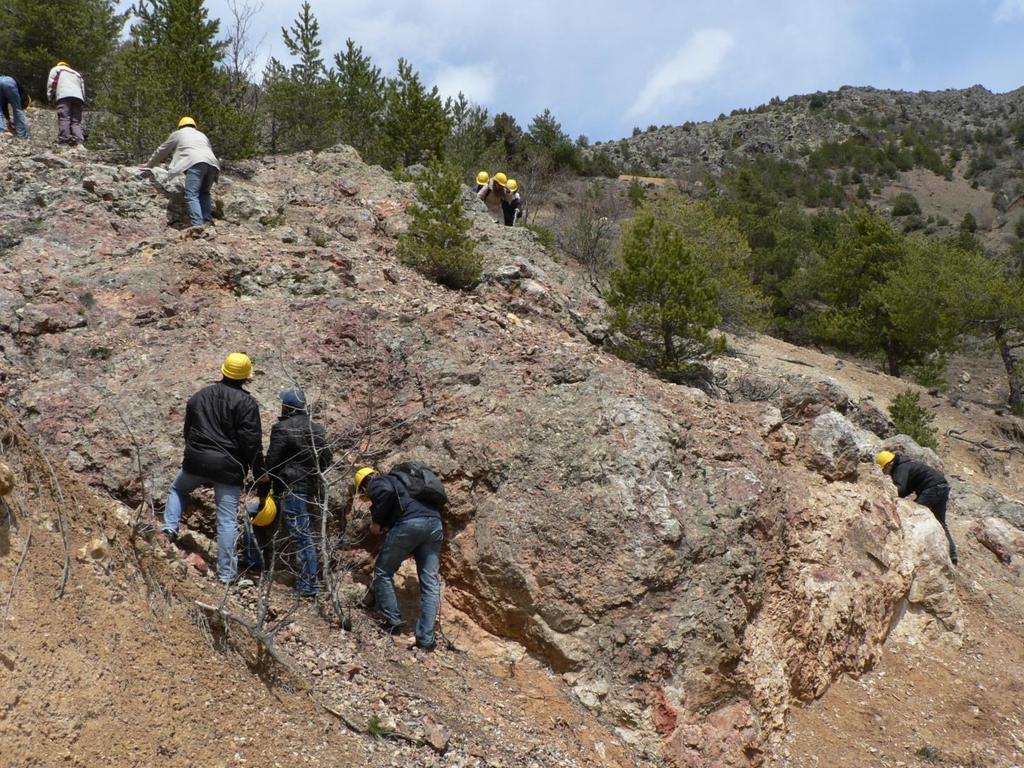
[413,528]
[298,453]
[223,443]
[929,486]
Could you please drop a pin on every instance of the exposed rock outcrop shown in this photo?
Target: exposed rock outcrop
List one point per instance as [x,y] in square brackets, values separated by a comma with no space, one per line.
[689,565]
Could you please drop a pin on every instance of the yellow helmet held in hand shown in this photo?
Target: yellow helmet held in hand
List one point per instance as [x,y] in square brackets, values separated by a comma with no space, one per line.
[482,177]
[501,178]
[883,458]
[186,121]
[362,474]
[237,367]
[513,185]
[267,513]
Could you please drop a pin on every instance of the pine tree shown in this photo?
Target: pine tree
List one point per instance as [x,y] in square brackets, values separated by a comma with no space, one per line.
[416,121]
[469,145]
[170,68]
[437,242]
[360,87]
[301,100]
[663,298]
[36,34]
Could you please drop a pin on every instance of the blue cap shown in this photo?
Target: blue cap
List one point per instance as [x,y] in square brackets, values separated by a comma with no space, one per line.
[294,397]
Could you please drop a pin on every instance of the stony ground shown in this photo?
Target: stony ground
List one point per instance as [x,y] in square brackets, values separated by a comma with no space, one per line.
[636,573]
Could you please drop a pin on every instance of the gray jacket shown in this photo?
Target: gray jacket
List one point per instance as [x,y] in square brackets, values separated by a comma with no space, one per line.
[189,146]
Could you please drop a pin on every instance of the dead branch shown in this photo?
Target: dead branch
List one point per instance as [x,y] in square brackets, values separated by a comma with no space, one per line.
[262,638]
[65,536]
[957,434]
[14,579]
[365,730]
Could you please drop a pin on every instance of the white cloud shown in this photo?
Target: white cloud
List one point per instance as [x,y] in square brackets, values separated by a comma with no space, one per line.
[477,81]
[1010,10]
[696,62]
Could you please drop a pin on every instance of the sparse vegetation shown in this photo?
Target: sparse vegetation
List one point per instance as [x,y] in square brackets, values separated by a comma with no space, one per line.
[437,243]
[911,419]
[905,204]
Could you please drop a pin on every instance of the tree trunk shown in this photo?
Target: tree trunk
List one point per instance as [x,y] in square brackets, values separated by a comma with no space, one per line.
[892,360]
[1013,374]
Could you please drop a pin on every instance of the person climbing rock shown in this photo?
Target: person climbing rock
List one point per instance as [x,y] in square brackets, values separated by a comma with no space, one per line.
[223,443]
[14,98]
[493,194]
[191,154]
[412,528]
[298,453]
[928,484]
[66,89]
[512,208]
[481,180]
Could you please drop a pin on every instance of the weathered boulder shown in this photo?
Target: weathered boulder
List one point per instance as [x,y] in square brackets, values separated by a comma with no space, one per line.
[834,447]
[930,612]
[1001,539]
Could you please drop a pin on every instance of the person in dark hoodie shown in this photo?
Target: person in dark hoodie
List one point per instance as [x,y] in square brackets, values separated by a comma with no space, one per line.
[223,443]
[298,453]
[413,528]
[927,484]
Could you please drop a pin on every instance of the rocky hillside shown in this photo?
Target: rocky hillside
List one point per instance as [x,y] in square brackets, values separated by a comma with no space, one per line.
[956,151]
[636,573]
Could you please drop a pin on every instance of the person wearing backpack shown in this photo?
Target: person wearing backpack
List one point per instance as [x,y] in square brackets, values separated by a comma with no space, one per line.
[406,503]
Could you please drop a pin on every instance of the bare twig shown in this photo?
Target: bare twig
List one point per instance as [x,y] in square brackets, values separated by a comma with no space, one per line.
[14,580]
[384,734]
[61,521]
[262,638]
[957,434]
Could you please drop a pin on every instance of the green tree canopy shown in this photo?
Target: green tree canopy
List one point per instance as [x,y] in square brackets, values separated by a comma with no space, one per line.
[170,68]
[437,242]
[416,122]
[360,97]
[664,298]
[36,34]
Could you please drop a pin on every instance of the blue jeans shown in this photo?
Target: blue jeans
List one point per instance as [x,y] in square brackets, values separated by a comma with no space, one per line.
[227,496]
[198,182]
[9,96]
[420,537]
[296,521]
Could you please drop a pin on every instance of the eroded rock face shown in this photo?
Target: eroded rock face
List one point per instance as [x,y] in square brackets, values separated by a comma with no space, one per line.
[689,565]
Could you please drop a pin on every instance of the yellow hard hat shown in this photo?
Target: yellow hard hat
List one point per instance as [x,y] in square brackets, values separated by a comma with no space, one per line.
[481,178]
[186,121]
[266,514]
[882,458]
[61,64]
[513,185]
[501,178]
[362,474]
[237,366]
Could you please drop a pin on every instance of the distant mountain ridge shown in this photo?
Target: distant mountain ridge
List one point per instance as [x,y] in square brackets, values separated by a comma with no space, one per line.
[953,119]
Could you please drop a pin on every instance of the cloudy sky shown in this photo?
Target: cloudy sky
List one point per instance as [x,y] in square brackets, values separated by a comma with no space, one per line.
[603,66]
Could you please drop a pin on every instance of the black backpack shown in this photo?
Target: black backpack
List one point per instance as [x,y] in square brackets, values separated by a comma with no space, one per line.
[421,483]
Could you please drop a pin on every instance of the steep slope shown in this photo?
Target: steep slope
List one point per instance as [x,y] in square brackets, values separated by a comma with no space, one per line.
[687,567]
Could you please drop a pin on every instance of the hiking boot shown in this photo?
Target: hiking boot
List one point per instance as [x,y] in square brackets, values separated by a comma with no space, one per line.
[170,537]
[423,647]
[391,629]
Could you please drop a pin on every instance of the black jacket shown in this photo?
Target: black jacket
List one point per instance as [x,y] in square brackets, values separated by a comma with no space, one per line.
[509,208]
[913,477]
[223,434]
[391,502]
[298,452]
